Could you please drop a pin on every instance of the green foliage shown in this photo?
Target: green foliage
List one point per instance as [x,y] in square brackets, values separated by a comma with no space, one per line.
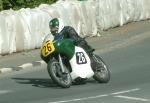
[18,4]
[1,6]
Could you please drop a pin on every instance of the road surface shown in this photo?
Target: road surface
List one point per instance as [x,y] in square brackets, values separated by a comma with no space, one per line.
[127,54]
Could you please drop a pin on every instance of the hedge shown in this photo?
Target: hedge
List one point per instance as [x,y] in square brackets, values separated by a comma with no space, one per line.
[17,4]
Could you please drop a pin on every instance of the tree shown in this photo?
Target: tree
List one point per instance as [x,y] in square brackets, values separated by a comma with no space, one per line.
[1,5]
[18,4]
[6,4]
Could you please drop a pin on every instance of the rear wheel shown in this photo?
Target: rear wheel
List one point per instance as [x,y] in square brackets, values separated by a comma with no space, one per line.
[101,72]
[62,79]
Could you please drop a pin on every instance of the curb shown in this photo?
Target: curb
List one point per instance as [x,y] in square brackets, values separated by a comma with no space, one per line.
[5,70]
[23,66]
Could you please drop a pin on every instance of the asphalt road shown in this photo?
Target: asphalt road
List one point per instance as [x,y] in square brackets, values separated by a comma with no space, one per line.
[129,62]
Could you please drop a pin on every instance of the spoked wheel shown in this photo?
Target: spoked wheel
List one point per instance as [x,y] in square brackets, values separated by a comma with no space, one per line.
[102,73]
[62,79]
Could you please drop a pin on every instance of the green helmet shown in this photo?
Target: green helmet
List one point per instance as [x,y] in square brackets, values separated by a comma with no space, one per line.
[56,25]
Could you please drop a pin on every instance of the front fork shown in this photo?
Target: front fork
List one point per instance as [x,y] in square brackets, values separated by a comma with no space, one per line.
[61,63]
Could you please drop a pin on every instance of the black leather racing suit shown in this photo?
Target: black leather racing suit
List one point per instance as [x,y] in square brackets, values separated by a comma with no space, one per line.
[69,32]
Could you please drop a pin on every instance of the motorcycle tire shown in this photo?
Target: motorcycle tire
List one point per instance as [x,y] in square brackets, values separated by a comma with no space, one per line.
[64,80]
[101,71]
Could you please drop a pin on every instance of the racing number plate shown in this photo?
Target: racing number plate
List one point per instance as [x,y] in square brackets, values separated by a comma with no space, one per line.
[47,48]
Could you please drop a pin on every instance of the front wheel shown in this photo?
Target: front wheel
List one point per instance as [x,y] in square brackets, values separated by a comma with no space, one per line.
[62,79]
[101,72]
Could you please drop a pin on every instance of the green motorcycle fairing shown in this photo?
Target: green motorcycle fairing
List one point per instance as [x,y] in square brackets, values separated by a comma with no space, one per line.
[65,47]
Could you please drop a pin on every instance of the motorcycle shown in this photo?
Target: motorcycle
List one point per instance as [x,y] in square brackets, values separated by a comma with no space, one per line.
[68,63]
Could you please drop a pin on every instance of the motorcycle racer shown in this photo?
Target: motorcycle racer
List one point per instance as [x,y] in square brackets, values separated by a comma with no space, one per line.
[58,30]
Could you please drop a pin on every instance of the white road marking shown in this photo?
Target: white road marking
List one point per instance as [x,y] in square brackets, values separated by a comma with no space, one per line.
[98,96]
[80,99]
[5,70]
[133,98]
[42,62]
[4,91]
[126,91]
[26,65]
